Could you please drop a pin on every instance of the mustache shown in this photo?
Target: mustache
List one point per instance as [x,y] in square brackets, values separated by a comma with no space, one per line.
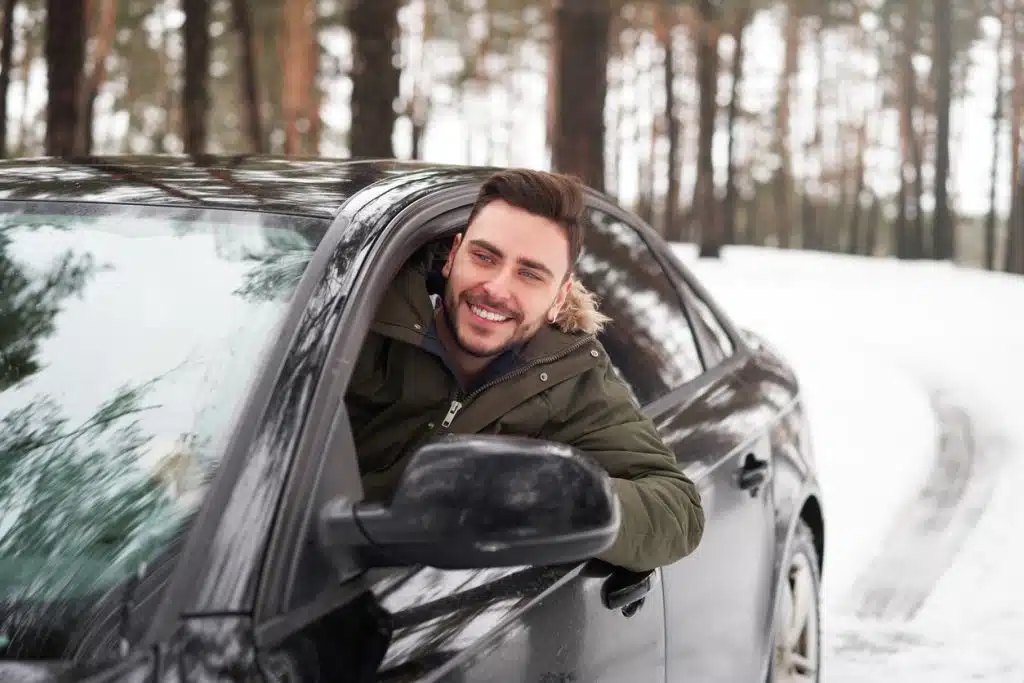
[498,308]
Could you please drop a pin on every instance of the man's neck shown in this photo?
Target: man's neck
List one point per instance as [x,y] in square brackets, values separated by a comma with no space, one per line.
[467,366]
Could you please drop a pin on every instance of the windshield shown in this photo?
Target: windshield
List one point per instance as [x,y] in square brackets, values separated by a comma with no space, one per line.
[129,340]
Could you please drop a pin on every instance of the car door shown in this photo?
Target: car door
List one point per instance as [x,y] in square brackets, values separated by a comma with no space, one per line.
[717,599]
[762,398]
[585,622]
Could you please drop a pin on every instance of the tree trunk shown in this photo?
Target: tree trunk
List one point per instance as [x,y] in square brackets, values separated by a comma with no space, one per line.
[705,211]
[196,96]
[582,29]
[911,240]
[297,45]
[1014,253]
[420,103]
[247,65]
[6,55]
[315,96]
[871,232]
[106,26]
[783,185]
[856,245]
[268,27]
[551,110]
[65,53]
[666,26]
[731,191]
[943,229]
[812,236]
[992,220]
[375,76]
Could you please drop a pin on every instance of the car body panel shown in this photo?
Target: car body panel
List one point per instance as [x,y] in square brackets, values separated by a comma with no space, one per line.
[716,597]
[530,624]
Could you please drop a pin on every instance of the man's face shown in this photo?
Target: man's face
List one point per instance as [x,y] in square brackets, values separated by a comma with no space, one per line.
[506,278]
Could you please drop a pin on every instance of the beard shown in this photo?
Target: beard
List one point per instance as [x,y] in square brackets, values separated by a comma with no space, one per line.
[450,307]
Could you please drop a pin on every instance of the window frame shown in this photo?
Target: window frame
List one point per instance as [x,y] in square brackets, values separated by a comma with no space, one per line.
[708,338]
[690,287]
[613,211]
[327,463]
[699,386]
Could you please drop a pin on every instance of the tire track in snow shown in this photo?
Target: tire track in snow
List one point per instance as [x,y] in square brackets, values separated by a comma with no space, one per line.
[932,527]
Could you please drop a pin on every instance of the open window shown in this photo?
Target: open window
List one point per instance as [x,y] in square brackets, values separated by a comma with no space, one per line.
[301,587]
[470,516]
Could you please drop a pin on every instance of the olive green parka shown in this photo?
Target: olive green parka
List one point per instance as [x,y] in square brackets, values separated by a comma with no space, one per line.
[559,386]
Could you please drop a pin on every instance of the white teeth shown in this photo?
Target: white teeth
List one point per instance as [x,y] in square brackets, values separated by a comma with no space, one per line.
[487,315]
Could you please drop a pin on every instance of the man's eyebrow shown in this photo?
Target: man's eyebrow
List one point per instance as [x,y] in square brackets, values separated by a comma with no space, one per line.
[484,244]
[529,263]
[536,265]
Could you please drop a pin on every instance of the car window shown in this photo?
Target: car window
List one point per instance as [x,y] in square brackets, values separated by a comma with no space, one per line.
[128,343]
[649,339]
[721,344]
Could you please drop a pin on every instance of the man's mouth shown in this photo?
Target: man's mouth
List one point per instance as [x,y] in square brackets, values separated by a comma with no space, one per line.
[488,315]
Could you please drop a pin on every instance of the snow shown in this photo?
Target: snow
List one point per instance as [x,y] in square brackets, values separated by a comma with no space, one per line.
[876,342]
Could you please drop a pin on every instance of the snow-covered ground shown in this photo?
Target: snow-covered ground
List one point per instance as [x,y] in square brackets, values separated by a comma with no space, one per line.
[879,345]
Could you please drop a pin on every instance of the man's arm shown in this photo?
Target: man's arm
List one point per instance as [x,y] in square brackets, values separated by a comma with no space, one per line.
[662,516]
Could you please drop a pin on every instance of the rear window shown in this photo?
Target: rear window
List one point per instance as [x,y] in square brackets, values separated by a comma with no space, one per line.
[129,341]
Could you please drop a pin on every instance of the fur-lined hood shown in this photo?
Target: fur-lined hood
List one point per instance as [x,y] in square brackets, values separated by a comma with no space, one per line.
[580,312]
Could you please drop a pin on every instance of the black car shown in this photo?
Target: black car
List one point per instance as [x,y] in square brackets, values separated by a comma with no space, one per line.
[179,495]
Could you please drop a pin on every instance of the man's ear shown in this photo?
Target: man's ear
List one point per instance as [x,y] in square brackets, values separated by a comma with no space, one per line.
[559,302]
[447,270]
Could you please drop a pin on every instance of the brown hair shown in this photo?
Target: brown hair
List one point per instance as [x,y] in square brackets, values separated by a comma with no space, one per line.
[555,196]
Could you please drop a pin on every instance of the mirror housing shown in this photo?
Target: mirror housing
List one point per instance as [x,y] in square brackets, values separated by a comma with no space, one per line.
[476,501]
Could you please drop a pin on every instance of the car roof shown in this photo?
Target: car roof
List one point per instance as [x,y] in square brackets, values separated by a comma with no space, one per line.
[315,187]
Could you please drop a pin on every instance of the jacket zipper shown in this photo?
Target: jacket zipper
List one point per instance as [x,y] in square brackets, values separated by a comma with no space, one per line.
[459,401]
[457,404]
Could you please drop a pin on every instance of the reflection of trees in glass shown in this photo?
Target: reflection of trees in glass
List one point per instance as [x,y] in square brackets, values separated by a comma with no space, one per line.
[278,268]
[77,506]
[649,337]
[28,307]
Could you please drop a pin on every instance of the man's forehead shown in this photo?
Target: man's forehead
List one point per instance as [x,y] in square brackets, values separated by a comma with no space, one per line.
[516,234]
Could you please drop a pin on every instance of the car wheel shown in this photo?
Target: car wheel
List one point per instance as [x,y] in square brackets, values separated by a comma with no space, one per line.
[797,635]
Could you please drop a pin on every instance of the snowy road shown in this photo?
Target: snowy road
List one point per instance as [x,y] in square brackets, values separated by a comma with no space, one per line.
[934,524]
[913,376]
[879,626]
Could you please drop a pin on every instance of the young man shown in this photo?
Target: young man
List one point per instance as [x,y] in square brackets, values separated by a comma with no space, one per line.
[502,340]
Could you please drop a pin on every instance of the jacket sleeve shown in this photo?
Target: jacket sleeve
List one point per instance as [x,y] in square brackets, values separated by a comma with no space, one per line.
[662,515]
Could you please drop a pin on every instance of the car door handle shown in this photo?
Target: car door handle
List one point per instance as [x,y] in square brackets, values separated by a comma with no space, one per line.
[626,590]
[753,473]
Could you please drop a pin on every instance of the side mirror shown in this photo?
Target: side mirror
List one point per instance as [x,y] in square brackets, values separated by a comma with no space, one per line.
[468,502]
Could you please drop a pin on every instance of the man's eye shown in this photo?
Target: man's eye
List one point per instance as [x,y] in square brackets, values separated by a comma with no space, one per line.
[530,275]
[486,258]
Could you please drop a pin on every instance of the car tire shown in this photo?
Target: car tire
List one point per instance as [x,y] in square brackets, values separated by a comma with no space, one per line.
[796,655]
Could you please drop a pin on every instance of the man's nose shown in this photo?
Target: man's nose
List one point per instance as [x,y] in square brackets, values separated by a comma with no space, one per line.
[499,287]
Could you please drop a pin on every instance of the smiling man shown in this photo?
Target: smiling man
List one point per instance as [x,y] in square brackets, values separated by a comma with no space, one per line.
[502,339]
